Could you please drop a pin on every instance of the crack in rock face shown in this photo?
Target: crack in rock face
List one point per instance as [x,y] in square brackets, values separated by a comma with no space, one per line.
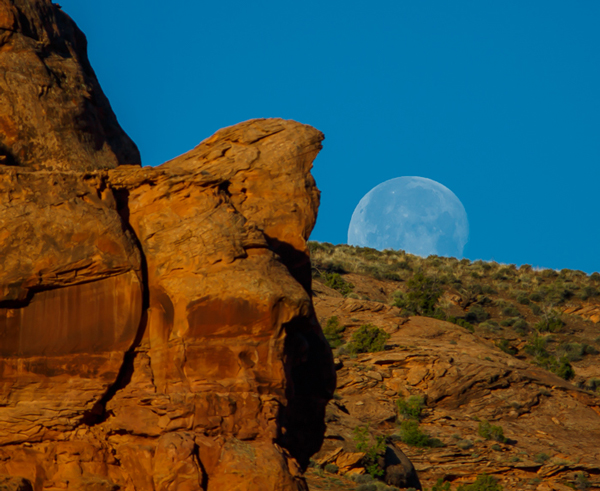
[157,330]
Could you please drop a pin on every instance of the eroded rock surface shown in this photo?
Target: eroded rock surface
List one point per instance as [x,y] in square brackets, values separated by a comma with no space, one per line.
[156,324]
[53,113]
[551,426]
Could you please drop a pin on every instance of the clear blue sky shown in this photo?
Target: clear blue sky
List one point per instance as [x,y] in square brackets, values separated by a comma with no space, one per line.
[498,101]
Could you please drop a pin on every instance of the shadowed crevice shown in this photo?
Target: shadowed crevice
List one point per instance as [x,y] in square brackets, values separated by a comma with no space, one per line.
[310,383]
[7,157]
[297,262]
[98,413]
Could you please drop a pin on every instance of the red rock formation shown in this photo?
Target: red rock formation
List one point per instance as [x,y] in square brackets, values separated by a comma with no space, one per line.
[156,326]
[53,113]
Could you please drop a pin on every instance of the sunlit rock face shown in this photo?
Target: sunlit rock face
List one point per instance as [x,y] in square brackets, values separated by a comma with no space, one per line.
[53,113]
[156,324]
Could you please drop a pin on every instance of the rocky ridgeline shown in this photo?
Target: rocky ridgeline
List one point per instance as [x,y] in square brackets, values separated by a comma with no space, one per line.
[460,398]
[156,326]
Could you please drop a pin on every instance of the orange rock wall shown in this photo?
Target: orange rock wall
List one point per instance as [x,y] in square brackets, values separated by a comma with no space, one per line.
[156,326]
[154,335]
[53,113]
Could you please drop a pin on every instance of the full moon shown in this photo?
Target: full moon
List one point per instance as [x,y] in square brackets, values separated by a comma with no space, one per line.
[415,214]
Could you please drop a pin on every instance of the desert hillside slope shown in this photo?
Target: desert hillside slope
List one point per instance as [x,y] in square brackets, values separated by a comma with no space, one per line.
[502,363]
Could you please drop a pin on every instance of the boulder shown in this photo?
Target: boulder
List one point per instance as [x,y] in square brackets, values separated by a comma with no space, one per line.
[399,470]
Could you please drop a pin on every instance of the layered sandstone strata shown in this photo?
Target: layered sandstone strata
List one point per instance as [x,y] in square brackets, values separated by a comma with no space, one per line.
[156,326]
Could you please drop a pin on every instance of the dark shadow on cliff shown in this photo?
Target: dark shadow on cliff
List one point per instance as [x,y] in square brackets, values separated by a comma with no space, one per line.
[297,262]
[310,385]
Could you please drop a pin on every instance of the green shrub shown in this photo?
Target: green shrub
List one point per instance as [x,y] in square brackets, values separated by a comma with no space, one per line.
[464,444]
[335,281]
[476,314]
[541,458]
[563,368]
[483,300]
[368,339]
[560,366]
[523,299]
[536,296]
[491,325]
[593,384]
[505,346]
[411,434]
[572,351]
[550,323]
[372,451]
[510,311]
[439,313]
[581,481]
[361,478]
[536,346]
[521,326]
[501,303]
[331,468]
[333,332]
[461,322]
[535,309]
[590,350]
[557,293]
[588,292]
[483,483]
[441,485]
[423,292]
[391,276]
[503,274]
[491,432]
[410,408]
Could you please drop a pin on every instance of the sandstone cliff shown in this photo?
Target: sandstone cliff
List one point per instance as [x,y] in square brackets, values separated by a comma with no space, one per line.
[53,113]
[156,326]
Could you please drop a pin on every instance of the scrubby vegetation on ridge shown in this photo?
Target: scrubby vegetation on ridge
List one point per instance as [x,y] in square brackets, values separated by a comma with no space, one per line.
[450,397]
[527,313]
